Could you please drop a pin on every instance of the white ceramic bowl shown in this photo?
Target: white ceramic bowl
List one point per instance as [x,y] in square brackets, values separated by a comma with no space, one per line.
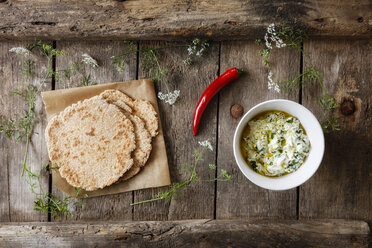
[313,130]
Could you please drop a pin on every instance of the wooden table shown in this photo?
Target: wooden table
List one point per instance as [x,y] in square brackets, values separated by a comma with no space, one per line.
[341,188]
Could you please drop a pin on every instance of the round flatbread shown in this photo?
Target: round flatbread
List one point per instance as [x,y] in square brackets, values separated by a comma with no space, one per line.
[141,108]
[143,147]
[131,173]
[146,112]
[143,139]
[91,141]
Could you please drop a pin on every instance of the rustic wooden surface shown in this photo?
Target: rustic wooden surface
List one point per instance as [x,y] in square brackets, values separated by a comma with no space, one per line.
[191,233]
[340,189]
[163,19]
[16,202]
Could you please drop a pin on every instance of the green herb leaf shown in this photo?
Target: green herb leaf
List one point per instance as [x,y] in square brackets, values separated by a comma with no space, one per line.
[212,166]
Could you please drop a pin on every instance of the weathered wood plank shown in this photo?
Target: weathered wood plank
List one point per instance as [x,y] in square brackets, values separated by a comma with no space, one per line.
[147,19]
[110,207]
[241,198]
[192,233]
[198,200]
[5,67]
[343,184]
[16,199]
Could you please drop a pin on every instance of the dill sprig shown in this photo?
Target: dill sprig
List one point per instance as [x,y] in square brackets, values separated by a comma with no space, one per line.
[284,36]
[151,63]
[178,188]
[47,202]
[20,127]
[80,68]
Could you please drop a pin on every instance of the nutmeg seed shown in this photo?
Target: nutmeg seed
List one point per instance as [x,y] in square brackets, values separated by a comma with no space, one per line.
[347,107]
[236,111]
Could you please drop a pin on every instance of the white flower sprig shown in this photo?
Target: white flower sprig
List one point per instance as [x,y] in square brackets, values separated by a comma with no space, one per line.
[294,38]
[170,97]
[271,36]
[88,60]
[197,48]
[271,85]
[206,144]
[20,51]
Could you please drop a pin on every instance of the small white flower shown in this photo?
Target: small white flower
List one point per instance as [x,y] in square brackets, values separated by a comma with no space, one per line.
[88,60]
[200,52]
[267,43]
[161,96]
[172,97]
[271,36]
[270,77]
[20,50]
[189,50]
[271,85]
[169,98]
[271,29]
[196,41]
[206,144]
[279,43]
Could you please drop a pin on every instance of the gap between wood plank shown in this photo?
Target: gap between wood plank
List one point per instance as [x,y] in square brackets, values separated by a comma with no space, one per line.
[300,101]
[137,71]
[54,68]
[217,116]
[10,216]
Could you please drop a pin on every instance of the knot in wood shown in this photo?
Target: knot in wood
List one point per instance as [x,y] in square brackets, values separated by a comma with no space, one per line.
[236,111]
[347,107]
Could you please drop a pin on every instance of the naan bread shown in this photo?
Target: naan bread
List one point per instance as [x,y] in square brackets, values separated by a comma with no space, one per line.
[91,141]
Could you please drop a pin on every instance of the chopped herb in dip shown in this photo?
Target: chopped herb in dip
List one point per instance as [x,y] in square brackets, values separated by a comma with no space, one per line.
[274,143]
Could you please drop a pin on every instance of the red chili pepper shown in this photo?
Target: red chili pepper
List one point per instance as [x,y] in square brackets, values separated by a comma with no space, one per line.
[209,93]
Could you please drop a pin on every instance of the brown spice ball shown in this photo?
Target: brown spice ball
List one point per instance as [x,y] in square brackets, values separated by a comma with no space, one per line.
[236,111]
[347,107]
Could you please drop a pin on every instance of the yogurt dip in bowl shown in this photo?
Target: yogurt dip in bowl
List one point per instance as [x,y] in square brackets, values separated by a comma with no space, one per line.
[278,144]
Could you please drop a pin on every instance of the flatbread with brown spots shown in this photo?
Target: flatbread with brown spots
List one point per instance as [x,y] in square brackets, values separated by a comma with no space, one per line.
[141,108]
[143,138]
[91,141]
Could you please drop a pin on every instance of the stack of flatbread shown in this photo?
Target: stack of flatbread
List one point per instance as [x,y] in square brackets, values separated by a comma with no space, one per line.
[101,140]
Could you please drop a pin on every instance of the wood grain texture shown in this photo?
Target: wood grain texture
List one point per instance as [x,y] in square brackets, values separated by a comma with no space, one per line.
[190,233]
[342,187]
[240,198]
[110,207]
[198,200]
[162,19]
[17,201]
